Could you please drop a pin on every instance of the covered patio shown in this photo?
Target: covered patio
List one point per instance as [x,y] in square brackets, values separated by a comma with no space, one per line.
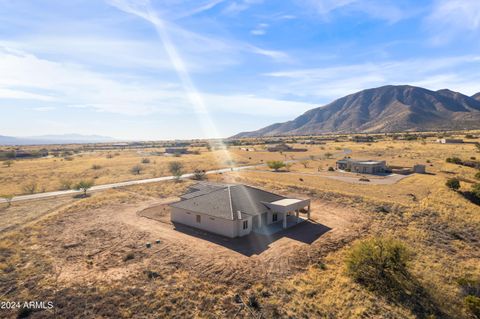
[274,228]
[289,209]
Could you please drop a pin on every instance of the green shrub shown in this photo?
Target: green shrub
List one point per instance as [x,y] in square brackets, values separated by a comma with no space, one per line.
[84,186]
[276,165]
[476,190]
[96,166]
[453,183]
[330,169]
[198,175]
[145,160]
[473,305]
[375,262]
[176,168]
[454,160]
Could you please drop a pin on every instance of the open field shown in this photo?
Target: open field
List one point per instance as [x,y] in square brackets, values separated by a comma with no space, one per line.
[88,255]
[54,173]
[104,167]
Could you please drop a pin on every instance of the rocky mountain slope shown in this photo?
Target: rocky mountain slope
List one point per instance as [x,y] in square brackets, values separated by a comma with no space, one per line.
[384,109]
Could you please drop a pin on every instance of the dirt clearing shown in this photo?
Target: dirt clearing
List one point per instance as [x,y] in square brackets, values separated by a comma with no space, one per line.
[109,243]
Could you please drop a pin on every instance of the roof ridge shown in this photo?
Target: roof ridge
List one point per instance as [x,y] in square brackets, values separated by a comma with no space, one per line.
[262,190]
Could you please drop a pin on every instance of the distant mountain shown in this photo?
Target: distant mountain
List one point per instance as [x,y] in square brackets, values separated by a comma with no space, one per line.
[384,109]
[476,96]
[54,139]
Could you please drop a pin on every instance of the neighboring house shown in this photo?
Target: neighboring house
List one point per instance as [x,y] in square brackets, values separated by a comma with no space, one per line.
[285,148]
[362,139]
[362,166]
[450,141]
[419,169]
[176,150]
[248,149]
[235,210]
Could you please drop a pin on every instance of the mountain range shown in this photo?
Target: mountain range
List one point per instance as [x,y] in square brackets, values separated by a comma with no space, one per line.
[54,139]
[391,108]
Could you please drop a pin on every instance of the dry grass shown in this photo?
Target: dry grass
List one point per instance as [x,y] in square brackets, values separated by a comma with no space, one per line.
[193,277]
[49,174]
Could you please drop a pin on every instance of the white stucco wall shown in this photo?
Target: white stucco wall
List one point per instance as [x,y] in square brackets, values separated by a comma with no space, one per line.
[270,216]
[241,231]
[224,227]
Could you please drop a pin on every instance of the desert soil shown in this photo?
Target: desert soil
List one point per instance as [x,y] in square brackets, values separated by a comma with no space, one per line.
[93,245]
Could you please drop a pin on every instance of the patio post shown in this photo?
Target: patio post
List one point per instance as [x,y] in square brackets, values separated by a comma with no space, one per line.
[308,212]
[296,214]
[284,220]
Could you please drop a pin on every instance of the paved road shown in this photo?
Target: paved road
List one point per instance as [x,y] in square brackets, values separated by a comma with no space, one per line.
[120,184]
[136,182]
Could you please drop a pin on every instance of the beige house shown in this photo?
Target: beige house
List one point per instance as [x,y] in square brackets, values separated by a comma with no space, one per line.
[450,141]
[285,148]
[235,210]
[362,166]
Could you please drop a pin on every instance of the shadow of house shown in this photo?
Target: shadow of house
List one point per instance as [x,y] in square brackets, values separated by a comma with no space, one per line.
[254,244]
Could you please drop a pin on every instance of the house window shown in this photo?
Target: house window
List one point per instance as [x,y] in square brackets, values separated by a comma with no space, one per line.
[245,224]
[199,219]
[274,217]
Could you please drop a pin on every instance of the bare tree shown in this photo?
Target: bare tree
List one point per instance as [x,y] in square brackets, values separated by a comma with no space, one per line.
[8,199]
[136,170]
[8,163]
[305,163]
[30,188]
[84,186]
[176,168]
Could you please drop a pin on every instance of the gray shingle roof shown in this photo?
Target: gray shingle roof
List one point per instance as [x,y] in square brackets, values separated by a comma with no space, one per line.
[225,200]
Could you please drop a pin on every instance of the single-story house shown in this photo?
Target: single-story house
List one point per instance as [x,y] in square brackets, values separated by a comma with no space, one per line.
[362,166]
[450,141]
[235,210]
[362,139]
[419,169]
[285,148]
[176,150]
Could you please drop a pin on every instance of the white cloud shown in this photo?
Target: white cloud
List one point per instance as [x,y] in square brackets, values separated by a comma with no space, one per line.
[198,8]
[197,49]
[452,18]
[6,93]
[69,85]
[261,29]
[389,11]
[238,6]
[44,108]
[325,84]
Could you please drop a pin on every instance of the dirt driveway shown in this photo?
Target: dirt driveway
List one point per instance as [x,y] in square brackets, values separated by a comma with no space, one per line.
[108,244]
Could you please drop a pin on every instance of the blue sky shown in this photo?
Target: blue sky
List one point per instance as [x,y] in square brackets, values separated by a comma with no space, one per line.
[191,69]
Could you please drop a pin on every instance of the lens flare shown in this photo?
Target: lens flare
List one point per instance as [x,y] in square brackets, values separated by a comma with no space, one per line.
[145,11]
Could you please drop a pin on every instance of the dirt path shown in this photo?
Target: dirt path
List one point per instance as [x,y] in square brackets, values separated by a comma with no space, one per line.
[373,180]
